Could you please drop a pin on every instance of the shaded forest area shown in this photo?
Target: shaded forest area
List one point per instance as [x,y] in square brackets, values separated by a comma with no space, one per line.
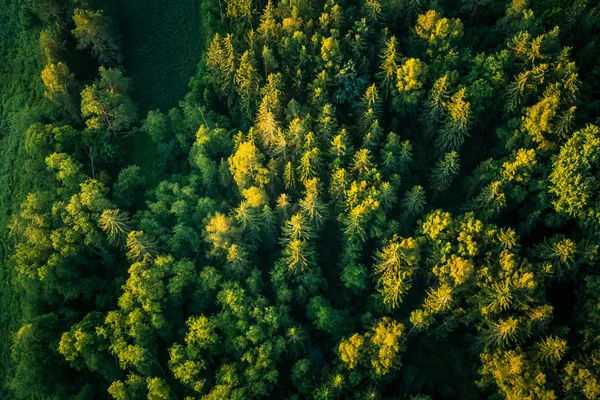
[321,199]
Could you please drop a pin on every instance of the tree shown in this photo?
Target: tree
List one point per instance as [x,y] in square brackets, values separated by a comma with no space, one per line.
[246,166]
[414,201]
[389,66]
[156,126]
[247,82]
[298,254]
[396,264]
[267,124]
[139,246]
[371,107]
[327,318]
[445,171]
[308,166]
[116,225]
[57,79]
[410,77]
[376,350]
[93,30]
[128,185]
[268,29]
[106,103]
[50,46]
[441,34]
[330,52]
[289,176]
[220,232]
[454,131]
[572,180]
[221,62]
[515,375]
[311,205]
[239,8]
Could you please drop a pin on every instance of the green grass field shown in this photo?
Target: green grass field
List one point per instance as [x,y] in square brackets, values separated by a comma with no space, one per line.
[162,41]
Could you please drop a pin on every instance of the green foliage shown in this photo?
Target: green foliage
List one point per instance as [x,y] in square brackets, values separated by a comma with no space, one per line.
[396,265]
[93,30]
[445,171]
[106,103]
[572,178]
[354,200]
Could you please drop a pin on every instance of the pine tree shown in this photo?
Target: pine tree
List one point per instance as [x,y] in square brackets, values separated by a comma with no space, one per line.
[215,60]
[389,67]
[440,33]
[396,264]
[311,205]
[267,30]
[326,125]
[247,83]
[371,107]
[289,176]
[414,201]
[445,171]
[267,124]
[297,253]
[309,165]
[340,148]
[139,246]
[552,349]
[283,206]
[239,9]
[362,162]
[247,218]
[246,166]
[438,99]
[454,131]
[410,77]
[372,10]
[50,46]
[116,225]
[269,60]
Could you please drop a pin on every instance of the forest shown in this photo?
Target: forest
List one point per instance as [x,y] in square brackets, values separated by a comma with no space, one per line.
[299,199]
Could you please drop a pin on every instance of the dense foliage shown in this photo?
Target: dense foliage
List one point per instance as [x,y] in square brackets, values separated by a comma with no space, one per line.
[371,199]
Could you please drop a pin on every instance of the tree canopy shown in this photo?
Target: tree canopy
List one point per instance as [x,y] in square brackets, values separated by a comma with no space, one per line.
[356,199]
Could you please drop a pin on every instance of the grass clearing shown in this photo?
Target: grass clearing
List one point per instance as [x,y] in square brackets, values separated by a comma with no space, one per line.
[162,41]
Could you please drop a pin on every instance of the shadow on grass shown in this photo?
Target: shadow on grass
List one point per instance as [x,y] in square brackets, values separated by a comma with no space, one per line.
[162,44]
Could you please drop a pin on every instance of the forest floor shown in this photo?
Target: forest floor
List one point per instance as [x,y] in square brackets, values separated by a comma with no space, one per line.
[162,42]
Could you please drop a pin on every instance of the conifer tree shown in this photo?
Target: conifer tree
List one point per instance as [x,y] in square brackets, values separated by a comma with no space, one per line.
[139,246]
[396,264]
[445,171]
[247,82]
[414,201]
[115,224]
[267,29]
[454,131]
[410,77]
[389,66]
